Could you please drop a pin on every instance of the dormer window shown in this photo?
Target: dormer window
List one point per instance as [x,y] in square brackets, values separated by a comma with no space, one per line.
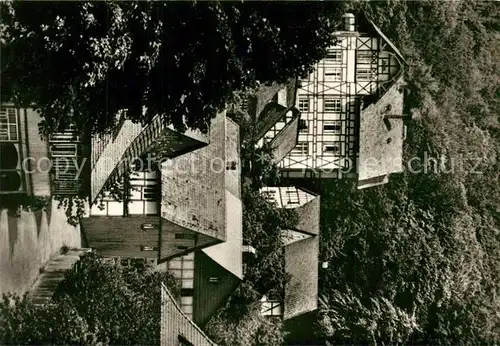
[213,280]
[231,165]
[149,227]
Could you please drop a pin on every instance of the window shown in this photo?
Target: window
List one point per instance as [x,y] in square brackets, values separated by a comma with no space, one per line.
[364,56]
[245,103]
[182,268]
[302,125]
[269,195]
[332,127]
[187,304]
[63,150]
[302,148]
[303,104]
[270,308]
[331,149]
[364,74]
[333,74]
[144,193]
[292,196]
[149,227]
[8,124]
[334,56]
[213,280]
[333,105]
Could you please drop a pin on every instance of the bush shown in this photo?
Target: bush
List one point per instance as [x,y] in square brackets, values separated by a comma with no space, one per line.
[97,302]
[248,327]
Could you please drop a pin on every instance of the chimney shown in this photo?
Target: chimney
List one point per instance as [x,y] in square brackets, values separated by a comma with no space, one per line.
[349,22]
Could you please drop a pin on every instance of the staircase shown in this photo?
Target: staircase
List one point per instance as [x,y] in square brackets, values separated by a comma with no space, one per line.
[42,290]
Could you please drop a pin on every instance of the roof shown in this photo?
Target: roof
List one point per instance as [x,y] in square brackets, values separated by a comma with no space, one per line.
[268,113]
[229,254]
[271,114]
[386,39]
[176,325]
[193,189]
[265,93]
[301,250]
[309,216]
[381,140]
[301,262]
[112,154]
[286,139]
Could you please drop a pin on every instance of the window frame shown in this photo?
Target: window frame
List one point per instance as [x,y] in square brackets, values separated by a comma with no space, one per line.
[304,107]
[327,152]
[334,56]
[336,127]
[304,149]
[5,122]
[333,74]
[334,107]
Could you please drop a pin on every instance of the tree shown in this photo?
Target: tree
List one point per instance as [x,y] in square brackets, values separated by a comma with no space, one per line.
[82,62]
[97,302]
[345,317]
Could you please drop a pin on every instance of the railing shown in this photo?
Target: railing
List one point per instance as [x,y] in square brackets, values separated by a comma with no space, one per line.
[65,149]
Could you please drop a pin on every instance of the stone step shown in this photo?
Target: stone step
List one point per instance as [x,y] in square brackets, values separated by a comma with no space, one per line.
[43,289]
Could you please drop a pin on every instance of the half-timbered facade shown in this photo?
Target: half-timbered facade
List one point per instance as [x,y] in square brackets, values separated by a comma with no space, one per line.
[357,71]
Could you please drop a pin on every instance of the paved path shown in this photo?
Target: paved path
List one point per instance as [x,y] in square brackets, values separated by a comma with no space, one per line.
[53,273]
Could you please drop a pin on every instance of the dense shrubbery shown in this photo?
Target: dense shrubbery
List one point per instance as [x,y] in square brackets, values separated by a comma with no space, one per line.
[239,322]
[96,303]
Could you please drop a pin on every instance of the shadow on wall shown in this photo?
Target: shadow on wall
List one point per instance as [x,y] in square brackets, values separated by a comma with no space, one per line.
[27,242]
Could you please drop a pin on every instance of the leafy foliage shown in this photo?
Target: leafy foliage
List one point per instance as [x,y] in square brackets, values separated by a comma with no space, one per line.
[249,327]
[380,321]
[239,322]
[96,303]
[16,203]
[74,208]
[183,60]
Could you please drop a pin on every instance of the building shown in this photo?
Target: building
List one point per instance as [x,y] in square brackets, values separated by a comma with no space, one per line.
[170,210]
[184,215]
[36,166]
[176,327]
[301,253]
[209,274]
[351,112]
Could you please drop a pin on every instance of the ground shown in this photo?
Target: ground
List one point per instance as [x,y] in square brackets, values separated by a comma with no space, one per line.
[28,242]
